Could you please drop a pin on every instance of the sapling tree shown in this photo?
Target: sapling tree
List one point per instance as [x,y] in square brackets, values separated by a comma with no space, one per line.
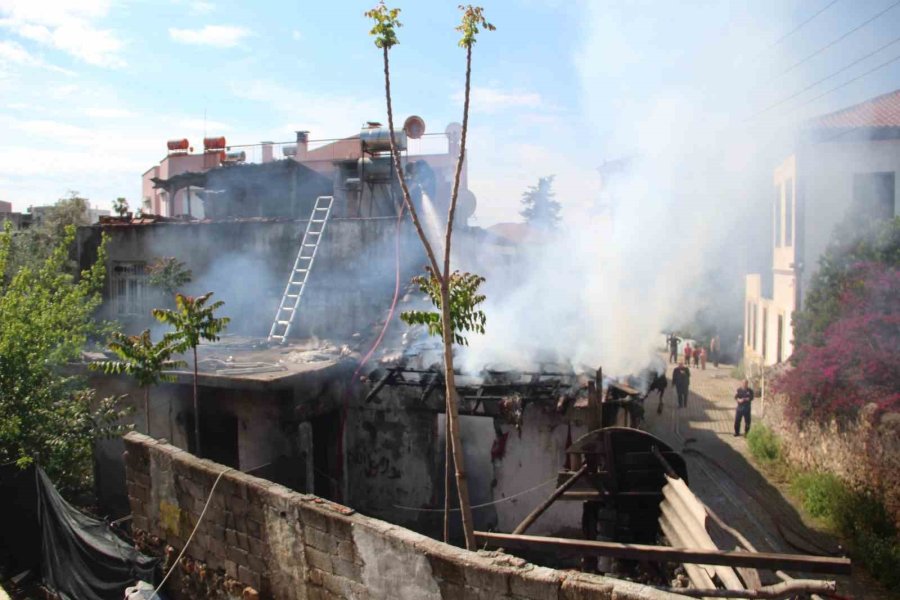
[120,206]
[193,321]
[385,24]
[142,359]
[168,274]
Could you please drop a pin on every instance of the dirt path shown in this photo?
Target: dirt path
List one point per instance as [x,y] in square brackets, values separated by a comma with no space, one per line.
[723,476]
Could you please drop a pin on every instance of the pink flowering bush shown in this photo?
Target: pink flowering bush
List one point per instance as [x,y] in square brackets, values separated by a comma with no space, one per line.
[856,360]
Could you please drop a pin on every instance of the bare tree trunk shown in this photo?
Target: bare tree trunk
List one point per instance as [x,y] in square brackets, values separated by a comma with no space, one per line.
[196,409]
[450,392]
[147,407]
[398,169]
[462,484]
[451,211]
[448,458]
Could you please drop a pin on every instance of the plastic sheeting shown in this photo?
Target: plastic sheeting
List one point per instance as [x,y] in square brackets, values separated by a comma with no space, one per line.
[82,558]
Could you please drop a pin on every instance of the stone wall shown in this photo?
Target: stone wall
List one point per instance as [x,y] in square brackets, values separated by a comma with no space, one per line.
[291,545]
[865,453]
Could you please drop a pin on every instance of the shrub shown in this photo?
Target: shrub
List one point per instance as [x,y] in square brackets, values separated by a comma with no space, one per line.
[823,495]
[859,518]
[855,364]
[764,444]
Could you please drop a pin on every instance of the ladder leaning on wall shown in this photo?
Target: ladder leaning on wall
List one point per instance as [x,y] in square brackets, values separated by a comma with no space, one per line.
[306,256]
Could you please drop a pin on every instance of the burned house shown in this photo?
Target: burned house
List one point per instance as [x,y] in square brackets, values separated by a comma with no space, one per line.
[346,403]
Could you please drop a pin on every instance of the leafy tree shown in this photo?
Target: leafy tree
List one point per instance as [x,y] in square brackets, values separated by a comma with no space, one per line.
[845,336]
[168,274]
[71,210]
[142,359]
[32,246]
[539,208]
[385,24]
[193,321]
[854,242]
[120,206]
[47,415]
[464,297]
[856,357]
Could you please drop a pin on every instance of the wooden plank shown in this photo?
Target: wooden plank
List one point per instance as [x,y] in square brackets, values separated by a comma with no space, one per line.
[537,512]
[731,558]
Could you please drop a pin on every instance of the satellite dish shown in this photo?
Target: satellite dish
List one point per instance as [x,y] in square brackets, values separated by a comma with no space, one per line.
[414,127]
[454,131]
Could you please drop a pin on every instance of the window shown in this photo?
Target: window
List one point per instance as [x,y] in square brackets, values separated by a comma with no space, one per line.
[128,286]
[765,322]
[789,213]
[776,216]
[873,194]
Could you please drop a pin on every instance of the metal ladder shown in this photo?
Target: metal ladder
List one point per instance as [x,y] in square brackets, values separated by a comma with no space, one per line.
[293,292]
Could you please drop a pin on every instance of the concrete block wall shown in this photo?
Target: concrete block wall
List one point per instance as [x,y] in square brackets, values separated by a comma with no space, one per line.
[291,545]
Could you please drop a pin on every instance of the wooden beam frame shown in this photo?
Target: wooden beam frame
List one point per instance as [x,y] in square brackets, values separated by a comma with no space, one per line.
[731,558]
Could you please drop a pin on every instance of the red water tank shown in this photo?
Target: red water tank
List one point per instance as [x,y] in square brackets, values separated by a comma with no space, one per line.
[214,143]
[181,145]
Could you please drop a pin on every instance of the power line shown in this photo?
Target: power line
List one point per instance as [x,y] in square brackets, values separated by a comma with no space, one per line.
[846,83]
[839,39]
[801,25]
[826,78]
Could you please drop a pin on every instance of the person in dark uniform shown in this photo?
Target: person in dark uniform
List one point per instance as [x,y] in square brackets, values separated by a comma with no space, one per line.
[673,341]
[681,378]
[744,397]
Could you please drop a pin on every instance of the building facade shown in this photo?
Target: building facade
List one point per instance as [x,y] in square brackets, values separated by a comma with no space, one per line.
[845,163]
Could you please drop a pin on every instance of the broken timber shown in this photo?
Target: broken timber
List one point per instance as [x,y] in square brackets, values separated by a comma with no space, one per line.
[758,560]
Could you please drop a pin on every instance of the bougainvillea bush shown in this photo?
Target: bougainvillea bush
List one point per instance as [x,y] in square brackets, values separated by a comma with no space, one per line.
[856,359]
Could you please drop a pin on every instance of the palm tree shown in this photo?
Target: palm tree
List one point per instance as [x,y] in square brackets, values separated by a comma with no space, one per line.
[193,321]
[143,360]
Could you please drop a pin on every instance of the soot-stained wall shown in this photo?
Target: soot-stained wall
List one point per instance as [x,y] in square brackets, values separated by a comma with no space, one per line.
[247,263]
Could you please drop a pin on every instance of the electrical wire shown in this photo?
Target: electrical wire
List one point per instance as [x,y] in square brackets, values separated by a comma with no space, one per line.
[801,25]
[838,39]
[846,83]
[814,84]
[474,506]
[191,537]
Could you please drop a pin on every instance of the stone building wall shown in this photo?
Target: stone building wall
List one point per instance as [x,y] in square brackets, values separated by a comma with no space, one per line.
[291,545]
[865,453]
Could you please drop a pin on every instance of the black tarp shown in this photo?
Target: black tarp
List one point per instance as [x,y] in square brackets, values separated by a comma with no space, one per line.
[81,557]
[20,542]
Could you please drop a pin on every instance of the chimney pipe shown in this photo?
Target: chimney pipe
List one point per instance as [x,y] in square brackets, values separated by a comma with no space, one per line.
[267,152]
[302,145]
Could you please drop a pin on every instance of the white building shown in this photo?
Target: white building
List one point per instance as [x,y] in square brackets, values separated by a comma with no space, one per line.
[844,161]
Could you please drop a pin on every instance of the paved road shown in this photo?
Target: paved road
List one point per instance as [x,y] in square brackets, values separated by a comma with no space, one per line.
[722,476]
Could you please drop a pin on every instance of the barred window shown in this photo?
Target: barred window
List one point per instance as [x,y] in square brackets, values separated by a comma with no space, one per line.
[129,288]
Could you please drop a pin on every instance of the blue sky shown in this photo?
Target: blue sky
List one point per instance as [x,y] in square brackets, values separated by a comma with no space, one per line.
[91,90]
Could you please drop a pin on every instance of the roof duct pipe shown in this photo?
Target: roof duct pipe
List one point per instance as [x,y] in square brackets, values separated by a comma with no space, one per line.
[302,145]
[268,152]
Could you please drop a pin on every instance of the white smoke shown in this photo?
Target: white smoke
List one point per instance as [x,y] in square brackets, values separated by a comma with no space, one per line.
[603,290]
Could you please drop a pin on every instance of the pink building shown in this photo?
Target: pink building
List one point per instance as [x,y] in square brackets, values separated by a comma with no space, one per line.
[221,183]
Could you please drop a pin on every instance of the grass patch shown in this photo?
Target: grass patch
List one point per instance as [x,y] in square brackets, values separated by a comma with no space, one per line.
[738,371]
[858,517]
[764,445]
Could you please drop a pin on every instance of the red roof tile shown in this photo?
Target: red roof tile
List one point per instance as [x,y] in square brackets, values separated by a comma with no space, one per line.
[881,111]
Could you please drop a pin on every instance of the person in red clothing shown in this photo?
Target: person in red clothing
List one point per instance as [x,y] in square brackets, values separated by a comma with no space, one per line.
[696,355]
[687,354]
